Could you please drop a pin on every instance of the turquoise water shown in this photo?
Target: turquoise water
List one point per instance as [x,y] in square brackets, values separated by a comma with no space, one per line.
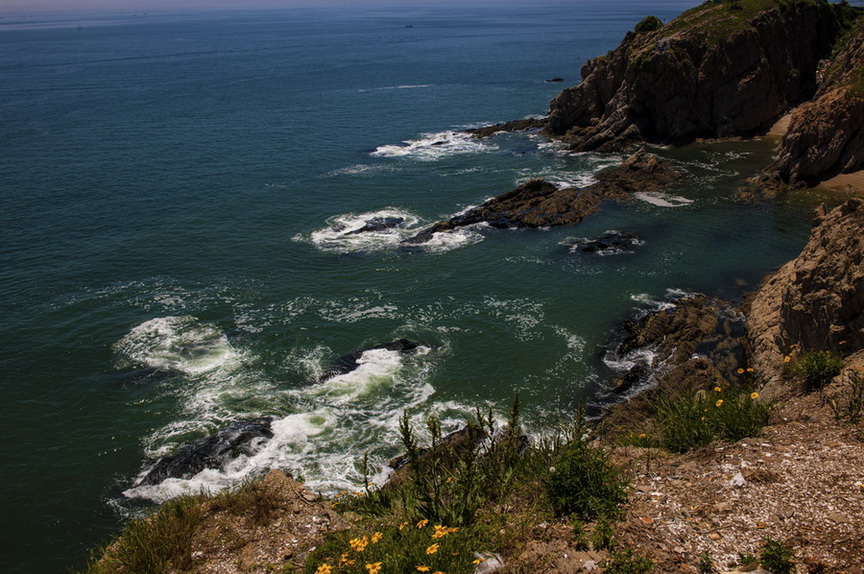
[176,190]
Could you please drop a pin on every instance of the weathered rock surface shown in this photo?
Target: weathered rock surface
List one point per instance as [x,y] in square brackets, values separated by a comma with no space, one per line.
[826,135]
[538,203]
[816,301]
[512,126]
[214,451]
[712,72]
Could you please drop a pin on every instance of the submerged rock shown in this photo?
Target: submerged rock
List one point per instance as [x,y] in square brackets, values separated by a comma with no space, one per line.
[215,451]
[349,362]
[610,242]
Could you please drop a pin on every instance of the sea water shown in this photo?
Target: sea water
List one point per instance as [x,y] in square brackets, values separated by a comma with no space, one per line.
[178,192]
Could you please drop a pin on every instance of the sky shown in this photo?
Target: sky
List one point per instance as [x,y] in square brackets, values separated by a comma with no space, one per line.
[12,6]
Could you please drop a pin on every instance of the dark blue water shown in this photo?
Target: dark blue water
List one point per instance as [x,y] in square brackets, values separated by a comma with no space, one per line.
[175,191]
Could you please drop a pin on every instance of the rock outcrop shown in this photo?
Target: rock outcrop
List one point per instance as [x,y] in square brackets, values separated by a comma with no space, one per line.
[538,203]
[816,301]
[215,451]
[712,72]
[826,135]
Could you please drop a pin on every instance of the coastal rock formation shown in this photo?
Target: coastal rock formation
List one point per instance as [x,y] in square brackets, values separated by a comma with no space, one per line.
[712,72]
[538,203]
[214,451]
[816,301]
[826,135]
[692,343]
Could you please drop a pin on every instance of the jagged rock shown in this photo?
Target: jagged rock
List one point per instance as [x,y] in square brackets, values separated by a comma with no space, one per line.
[538,203]
[815,301]
[214,451]
[512,126]
[826,135]
[687,80]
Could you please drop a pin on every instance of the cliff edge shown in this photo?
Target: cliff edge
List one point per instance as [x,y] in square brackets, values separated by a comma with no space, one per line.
[715,71]
[826,135]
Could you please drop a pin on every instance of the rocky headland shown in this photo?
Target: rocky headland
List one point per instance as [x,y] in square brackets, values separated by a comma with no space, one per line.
[724,70]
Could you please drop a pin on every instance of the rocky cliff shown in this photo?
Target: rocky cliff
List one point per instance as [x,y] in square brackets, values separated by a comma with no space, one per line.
[712,72]
[816,301]
[826,135]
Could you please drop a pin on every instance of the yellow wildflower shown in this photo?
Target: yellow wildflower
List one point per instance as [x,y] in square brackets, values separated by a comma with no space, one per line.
[374,568]
[376,537]
[423,568]
[718,390]
[793,346]
[359,544]
[442,531]
[740,371]
[787,358]
[403,525]
[449,479]
[842,343]
[432,549]
[643,436]
[754,396]
[438,572]
[719,403]
[749,369]
[324,569]
[479,560]
[422,523]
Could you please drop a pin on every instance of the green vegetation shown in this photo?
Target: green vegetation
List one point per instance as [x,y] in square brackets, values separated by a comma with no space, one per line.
[628,562]
[452,488]
[776,558]
[815,369]
[159,543]
[720,20]
[850,409]
[648,24]
[584,483]
[692,420]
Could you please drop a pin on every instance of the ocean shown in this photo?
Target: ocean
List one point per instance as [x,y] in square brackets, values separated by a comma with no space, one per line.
[178,192]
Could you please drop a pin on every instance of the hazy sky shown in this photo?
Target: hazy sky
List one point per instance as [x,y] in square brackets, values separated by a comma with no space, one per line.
[125,5]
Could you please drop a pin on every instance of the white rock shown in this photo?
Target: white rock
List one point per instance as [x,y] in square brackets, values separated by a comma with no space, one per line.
[738,480]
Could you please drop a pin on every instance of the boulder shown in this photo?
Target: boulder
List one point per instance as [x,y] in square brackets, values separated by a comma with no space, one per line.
[214,451]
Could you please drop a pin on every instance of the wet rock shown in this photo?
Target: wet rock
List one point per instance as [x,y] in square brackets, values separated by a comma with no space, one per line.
[610,242]
[379,224]
[539,203]
[350,362]
[512,126]
[214,451]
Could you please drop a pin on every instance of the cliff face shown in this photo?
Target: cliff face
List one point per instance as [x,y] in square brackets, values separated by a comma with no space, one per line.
[816,301]
[712,72]
[826,135]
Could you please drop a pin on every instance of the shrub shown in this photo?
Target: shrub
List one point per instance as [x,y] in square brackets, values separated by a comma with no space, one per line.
[816,369]
[585,483]
[628,562]
[684,422]
[776,557]
[158,543]
[693,420]
[648,24]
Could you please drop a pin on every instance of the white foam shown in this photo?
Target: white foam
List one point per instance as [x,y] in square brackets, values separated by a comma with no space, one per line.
[334,423]
[179,344]
[662,199]
[401,87]
[454,239]
[339,234]
[434,146]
